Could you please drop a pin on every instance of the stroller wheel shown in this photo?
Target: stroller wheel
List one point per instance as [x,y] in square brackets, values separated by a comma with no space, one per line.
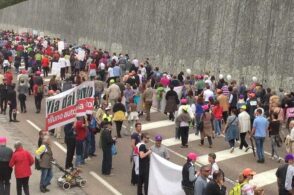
[66,186]
[82,183]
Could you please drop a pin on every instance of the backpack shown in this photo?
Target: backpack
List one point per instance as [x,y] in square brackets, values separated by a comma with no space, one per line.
[236,190]
[37,162]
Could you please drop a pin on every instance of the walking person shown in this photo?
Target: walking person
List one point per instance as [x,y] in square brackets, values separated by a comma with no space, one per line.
[212,162]
[172,101]
[217,112]
[260,126]
[144,164]
[38,93]
[147,100]
[244,126]
[206,129]
[106,142]
[281,174]
[216,185]
[189,174]
[135,139]
[3,96]
[232,129]
[201,181]
[45,156]
[11,101]
[119,112]
[70,141]
[22,161]
[274,133]
[5,170]
[23,90]
[183,122]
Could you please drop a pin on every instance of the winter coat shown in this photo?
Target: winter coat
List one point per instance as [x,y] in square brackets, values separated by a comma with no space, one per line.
[172,101]
[22,161]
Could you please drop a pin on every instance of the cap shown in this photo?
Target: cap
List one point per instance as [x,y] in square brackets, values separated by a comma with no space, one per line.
[108,108]
[158,138]
[38,72]
[241,96]
[3,140]
[251,94]
[111,81]
[246,172]
[192,156]
[243,107]
[289,157]
[184,101]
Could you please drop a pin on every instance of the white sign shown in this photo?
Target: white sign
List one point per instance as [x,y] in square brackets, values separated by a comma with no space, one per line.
[55,69]
[60,46]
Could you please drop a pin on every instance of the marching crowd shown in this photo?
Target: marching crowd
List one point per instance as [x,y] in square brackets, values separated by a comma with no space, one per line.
[124,91]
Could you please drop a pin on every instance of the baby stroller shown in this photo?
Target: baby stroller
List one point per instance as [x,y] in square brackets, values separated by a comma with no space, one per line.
[70,178]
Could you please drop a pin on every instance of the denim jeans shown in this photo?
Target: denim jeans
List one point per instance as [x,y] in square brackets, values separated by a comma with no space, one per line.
[46,176]
[259,147]
[92,146]
[79,153]
[274,146]
[217,126]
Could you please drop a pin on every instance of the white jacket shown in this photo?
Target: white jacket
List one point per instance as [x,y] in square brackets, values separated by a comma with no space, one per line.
[244,122]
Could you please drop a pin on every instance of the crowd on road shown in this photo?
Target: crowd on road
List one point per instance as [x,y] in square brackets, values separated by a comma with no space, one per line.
[125,90]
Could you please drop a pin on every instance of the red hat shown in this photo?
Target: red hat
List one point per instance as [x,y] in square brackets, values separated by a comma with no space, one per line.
[184,101]
[246,172]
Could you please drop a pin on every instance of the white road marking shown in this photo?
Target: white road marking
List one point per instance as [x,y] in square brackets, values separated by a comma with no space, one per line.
[224,155]
[157,124]
[105,183]
[172,141]
[35,126]
[93,174]
[264,178]
[153,110]
[60,146]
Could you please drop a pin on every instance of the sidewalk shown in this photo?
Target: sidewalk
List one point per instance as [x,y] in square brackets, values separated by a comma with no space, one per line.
[12,134]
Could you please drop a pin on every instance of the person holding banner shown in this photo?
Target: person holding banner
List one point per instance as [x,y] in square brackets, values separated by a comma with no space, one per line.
[189,174]
[144,164]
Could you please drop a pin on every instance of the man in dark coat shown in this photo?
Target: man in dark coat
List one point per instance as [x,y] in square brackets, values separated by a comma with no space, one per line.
[11,97]
[70,141]
[172,101]
[106,142]
[5,170]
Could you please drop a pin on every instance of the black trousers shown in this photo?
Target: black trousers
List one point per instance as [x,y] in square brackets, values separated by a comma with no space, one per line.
[3,103]
[118,125]
[5,187]
[243,140]
[107,161]
[38,101]
[184,135]
[12,112]
[134,178]
[143,179]
[71,146]
[22,183]
[225,116]
[22,100]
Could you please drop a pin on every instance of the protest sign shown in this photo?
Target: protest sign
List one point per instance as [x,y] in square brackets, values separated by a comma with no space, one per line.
[55,70]
[61,46]
[164,173]
[63,108]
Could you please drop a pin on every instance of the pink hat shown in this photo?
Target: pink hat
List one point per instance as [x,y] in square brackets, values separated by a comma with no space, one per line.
[192,156]
[205,107]
[38,73]
[184,101]
[3,140]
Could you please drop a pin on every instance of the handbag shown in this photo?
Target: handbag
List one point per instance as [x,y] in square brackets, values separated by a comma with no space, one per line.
[113,149]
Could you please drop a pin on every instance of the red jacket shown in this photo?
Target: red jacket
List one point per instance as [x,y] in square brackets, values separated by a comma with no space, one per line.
[217,112]
[22,160]
[9,77]
[81,131]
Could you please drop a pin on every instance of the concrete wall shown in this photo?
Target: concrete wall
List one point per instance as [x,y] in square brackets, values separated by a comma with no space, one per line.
[243,38]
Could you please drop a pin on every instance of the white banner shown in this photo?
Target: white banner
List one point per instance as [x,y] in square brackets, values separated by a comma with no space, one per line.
[63,108]
[164,177]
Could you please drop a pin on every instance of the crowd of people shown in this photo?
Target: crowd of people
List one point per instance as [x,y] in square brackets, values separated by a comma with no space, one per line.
[124,91]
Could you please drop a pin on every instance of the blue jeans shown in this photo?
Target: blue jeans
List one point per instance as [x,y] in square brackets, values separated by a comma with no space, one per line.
[46,176]
[92,145]
[259,147]
[80,153]
[217,126]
